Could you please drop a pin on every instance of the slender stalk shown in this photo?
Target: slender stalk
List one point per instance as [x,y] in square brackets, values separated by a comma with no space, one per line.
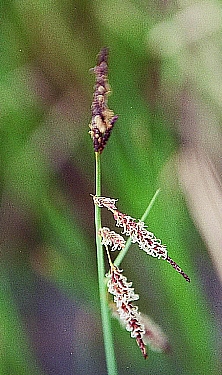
[105,312]
[123,252]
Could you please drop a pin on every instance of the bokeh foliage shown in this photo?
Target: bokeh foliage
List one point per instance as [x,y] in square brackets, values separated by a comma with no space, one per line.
[47,174]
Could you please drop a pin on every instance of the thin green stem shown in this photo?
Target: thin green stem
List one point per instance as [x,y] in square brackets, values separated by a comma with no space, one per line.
[123,252]
[105,312]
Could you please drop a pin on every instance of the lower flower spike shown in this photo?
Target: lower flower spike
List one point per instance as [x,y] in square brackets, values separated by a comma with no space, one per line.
[128,313]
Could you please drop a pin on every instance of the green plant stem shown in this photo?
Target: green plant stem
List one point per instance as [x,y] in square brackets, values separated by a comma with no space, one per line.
[105,312]
[123,252]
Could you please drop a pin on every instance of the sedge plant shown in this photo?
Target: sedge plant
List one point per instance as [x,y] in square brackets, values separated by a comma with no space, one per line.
[122,305]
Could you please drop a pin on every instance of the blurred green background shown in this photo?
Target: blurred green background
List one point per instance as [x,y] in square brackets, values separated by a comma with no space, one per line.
[165,70]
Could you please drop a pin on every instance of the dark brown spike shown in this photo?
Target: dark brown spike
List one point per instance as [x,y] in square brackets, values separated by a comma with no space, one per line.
[103,55]
[103,119]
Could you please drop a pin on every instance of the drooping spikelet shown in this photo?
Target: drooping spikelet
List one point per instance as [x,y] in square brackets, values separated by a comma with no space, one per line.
[128,313]
[103,119]
[112,239]
[138,233]
[154,337]
[141,326]
[109,203]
